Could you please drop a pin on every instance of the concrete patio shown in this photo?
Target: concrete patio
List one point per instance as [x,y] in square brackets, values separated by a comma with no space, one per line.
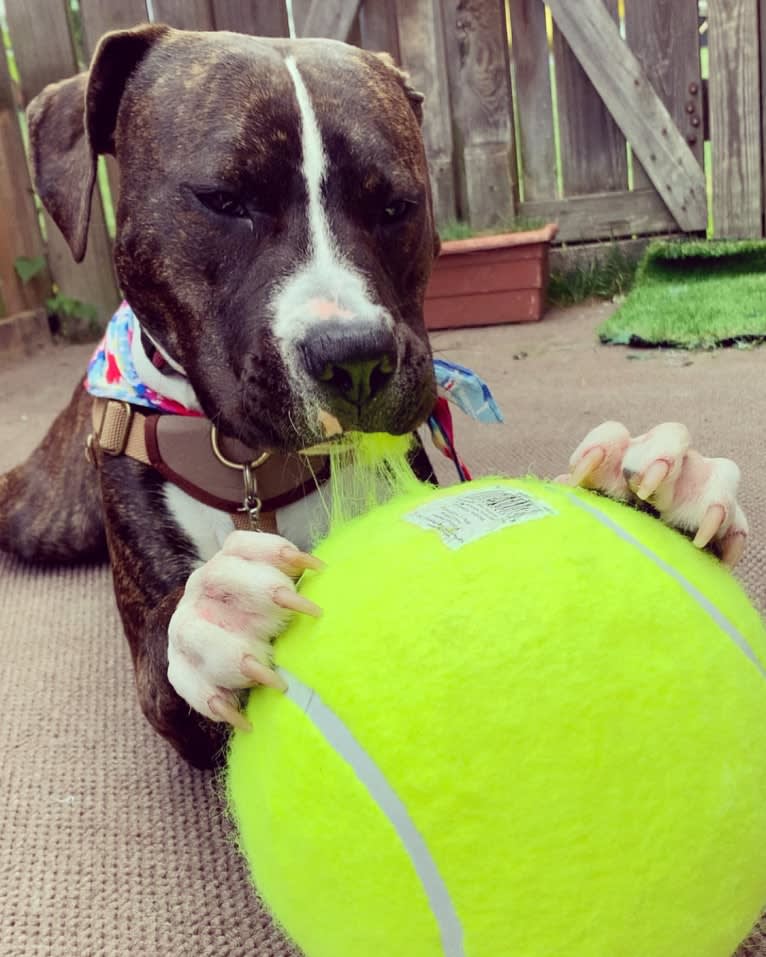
[110,844]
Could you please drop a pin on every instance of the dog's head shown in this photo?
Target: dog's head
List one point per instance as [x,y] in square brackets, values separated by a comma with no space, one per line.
[274,227]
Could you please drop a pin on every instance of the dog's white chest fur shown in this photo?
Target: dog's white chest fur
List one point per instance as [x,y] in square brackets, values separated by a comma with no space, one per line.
[302,522]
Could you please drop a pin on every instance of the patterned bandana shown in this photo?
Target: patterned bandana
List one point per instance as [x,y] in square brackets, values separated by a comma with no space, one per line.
[113,373]
[119,369]
[470,393]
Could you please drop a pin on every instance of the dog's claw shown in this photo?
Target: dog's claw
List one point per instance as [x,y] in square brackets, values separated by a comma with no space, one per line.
[252,668]
[270,549]
[232,608]
[652,478]
[711,522]
[294,562]
[286,598]
[223,709]
[732,548]
[587,465]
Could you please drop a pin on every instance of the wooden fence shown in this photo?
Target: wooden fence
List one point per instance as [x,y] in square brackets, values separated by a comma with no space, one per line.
[596,114]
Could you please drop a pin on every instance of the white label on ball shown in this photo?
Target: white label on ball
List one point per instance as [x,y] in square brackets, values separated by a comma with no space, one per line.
[472,515]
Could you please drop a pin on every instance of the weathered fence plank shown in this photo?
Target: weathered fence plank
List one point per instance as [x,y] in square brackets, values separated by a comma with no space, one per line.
[98,18]
[618,78]
[735,118]
[300,13]
[648,91]
[421,43]
[482,114]
[531,62]
[593,154]
[19,228]
[665,40]
[266,18]
[329,18]
[377,27]
[355,34]
[43,49]
[603,215]
[184,14]
[762,39]
[51,60]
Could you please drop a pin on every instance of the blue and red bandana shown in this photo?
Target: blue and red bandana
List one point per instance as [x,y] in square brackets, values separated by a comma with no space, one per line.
[113,373]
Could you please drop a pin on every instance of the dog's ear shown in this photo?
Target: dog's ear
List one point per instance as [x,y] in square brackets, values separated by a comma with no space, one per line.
[415,98]
[72,122]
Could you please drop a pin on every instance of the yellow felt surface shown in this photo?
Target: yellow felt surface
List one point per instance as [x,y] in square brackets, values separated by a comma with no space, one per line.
[577,741]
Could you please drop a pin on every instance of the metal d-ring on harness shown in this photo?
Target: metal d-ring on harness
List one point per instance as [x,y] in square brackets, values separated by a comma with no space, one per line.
[251,504]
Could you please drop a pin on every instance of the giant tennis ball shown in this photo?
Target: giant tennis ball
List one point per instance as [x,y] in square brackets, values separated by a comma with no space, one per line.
[531,722]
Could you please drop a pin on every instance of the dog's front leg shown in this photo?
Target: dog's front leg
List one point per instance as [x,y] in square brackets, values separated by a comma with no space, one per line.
[199,741]
[199,631]
[232,608]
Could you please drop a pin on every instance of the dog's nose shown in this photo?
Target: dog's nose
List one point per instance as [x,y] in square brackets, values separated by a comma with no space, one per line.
[354,365]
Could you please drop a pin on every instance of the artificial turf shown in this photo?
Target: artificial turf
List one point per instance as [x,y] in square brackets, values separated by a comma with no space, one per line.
[694,295]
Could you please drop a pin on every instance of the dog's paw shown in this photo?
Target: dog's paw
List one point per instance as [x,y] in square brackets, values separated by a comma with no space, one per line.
[219,637]
[695,494]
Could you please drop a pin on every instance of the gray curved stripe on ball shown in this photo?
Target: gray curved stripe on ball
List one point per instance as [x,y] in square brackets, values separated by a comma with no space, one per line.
[691,590]
[345,745]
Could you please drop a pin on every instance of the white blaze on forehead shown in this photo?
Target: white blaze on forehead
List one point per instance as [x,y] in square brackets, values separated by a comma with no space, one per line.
[326,286]
[314,167]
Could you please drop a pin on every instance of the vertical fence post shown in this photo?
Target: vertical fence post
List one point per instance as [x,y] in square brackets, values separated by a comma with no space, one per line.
[264,19]
[735,117]
[43,49]
[98,17]
[377,27]
[300,13]
[335,19]
[184,14]
[532,63]
[593,154]
[762,48]
[421,43]
[19,229]
[665,39]
[476,45]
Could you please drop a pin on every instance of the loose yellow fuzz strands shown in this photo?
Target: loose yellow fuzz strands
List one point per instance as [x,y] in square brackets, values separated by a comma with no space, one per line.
[528,724]
[367,470]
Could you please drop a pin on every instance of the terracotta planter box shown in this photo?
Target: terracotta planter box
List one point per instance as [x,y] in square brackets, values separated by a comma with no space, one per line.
[490,280]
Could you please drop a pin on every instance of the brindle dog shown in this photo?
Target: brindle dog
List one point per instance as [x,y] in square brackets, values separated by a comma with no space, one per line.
[213,225]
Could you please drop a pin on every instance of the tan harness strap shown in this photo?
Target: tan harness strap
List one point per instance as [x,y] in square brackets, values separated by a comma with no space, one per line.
[119,429]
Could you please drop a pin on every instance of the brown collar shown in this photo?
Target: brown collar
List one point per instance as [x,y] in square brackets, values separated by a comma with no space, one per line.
[220,472]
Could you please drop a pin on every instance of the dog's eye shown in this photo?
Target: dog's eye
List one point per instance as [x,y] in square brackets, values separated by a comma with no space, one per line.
[397,210]
[223,203]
